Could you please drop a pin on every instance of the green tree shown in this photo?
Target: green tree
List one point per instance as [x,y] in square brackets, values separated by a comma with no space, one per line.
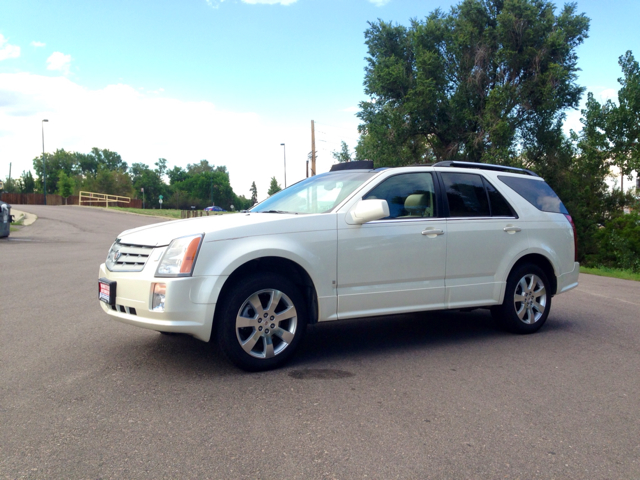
[11,185]
[143,177]
[344,155]
[177,174]
[623,119]
[161,167]
[274,187]
[481,83]
[254,193]
[108,159]
[66,185]
[59,161]
[26,183]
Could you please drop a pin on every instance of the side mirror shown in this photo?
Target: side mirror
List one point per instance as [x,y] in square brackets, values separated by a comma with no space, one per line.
[369,210]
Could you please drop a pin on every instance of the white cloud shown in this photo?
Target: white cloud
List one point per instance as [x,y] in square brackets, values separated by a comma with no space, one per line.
[145,126]
[7,50]
[608,94]
[38,44]
[379,3]
[59,61]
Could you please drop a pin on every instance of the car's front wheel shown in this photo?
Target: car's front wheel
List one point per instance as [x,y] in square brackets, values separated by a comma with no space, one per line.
[261,322]
[527,300]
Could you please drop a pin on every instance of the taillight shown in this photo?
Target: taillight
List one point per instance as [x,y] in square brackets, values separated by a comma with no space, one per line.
[575,238]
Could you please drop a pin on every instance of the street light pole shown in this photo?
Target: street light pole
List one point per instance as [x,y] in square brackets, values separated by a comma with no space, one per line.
[284,150]
[44,164]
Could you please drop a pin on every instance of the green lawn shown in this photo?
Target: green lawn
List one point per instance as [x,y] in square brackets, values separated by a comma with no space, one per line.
[612,272]
[168,213]
[154,212]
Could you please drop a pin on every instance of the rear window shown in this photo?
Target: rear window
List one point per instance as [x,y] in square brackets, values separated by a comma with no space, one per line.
[536,192]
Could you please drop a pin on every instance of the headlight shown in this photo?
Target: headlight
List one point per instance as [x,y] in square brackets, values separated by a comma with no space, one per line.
[180,257]
[113,255]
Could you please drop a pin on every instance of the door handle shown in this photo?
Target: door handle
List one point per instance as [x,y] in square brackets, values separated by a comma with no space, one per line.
[432,232]
[511,229]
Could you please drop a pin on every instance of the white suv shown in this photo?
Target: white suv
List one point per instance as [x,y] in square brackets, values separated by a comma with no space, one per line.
[354,242]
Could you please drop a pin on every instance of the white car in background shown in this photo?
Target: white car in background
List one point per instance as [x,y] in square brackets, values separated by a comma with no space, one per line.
[353,242]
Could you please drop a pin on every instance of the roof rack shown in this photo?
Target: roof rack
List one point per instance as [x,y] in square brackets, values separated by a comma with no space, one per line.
[486,166]
[357,165]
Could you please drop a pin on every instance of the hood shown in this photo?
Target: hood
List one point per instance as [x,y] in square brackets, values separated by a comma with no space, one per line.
[225,227]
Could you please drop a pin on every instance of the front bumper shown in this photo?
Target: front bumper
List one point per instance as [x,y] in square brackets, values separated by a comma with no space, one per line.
[189,302]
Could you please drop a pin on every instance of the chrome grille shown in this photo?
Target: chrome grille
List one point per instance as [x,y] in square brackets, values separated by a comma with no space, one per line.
[127,258]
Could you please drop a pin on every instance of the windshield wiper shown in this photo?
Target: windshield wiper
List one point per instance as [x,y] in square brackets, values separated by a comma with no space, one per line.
[277,211]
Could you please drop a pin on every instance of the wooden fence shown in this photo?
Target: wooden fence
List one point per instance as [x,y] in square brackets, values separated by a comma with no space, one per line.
[38,199]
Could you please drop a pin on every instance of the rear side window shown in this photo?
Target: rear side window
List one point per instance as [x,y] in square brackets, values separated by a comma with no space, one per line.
[499,205]
[466,195]
[536,192]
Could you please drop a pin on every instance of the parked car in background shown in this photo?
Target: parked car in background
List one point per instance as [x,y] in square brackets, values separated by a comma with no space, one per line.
[353,242]
[214,209]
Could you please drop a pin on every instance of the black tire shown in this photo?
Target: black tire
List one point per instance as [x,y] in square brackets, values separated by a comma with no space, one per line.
[527,300]
[249,332]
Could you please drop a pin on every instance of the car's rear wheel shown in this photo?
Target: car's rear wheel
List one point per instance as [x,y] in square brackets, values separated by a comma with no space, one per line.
[261,322]
[527,300]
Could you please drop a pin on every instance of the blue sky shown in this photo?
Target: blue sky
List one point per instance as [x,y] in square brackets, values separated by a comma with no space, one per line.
[228,80]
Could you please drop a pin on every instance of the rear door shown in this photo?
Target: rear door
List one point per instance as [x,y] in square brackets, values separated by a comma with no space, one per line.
[483,236]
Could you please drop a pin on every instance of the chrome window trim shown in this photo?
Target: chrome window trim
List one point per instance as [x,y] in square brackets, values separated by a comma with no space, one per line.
[407,220]
[482,218]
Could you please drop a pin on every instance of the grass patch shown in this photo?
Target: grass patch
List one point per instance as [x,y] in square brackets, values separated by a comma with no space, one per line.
[14,229]
[166,212]
[611,272]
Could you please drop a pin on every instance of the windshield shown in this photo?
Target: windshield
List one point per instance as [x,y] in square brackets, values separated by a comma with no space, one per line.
[318,194]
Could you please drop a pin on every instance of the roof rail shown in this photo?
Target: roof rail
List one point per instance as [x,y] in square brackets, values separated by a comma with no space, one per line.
[486,166]
[357,165]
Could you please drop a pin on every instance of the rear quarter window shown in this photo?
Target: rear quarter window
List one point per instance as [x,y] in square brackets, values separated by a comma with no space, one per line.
[536,192]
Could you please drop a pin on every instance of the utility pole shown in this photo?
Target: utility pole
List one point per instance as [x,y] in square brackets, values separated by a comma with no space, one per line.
[285,163]
[44,164]
[313,149]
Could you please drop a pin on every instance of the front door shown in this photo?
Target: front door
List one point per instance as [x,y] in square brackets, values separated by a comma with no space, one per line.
[396,264]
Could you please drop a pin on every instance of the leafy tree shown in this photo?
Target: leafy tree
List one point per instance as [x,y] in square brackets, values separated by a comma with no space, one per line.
[11,185]
[201,167]
[254,193]
[66,185]
[112,182]
[59,161]
[344,155]
[273,186]
[481,83]
[161,166]
[623,120]
[108,159]
[26,183]
[177,174]
[619,242]
[143,177]
[242,203]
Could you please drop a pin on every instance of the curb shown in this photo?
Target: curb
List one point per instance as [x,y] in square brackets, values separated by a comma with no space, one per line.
[29,218]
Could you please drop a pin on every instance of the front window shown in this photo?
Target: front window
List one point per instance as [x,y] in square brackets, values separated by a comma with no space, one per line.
[408,195]
[318,194]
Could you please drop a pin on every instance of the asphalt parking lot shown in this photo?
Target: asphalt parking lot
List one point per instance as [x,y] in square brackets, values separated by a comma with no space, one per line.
[443,395]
